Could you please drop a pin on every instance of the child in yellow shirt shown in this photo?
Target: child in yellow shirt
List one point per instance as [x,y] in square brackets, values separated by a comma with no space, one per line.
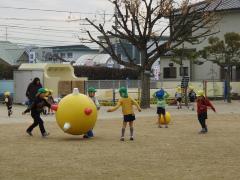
[127,109]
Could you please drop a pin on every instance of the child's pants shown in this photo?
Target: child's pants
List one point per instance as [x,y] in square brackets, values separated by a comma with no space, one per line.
[37,121]
[9,110]
[202,119]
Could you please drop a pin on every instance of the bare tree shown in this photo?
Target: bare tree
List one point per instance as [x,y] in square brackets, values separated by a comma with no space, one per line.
[185,22]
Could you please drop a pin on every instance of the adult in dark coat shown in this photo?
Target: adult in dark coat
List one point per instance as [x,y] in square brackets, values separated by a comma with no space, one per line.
[33,89]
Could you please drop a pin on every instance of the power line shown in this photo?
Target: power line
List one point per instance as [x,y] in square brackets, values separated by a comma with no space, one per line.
[52,10]
[39,34]
[49,44]
[40,26]
[43,40]
[25,19]
[45,29]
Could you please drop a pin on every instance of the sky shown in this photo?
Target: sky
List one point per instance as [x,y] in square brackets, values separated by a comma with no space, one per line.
[49,28]
[28,22]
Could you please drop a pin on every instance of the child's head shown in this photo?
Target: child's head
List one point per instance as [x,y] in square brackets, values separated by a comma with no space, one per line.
[91,91]
[7,94]
[200,94]
[123,92]
[190,88]
[42,93]
[178,89]
[160,93]
[50,92]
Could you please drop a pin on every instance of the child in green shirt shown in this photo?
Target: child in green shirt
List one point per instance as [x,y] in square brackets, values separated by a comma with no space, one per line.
[161,97]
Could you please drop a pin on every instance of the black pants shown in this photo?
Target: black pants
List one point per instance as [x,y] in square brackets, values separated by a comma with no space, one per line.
[9,110]
[202,119]
[37,121]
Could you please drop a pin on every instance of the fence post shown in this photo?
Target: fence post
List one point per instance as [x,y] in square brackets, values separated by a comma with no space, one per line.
[99,84]
[114,97]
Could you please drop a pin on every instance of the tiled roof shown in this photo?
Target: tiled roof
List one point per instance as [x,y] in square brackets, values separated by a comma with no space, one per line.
[216,5]
[10,52]
[222,5]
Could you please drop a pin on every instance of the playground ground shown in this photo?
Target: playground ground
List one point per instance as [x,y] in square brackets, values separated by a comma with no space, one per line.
[178,152]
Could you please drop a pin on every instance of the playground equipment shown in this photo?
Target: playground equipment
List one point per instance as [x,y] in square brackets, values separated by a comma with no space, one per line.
[54,76]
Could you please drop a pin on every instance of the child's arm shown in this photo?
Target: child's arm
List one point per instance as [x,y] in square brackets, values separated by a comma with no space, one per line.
[137,105]
[97,104]
[28,109]
[209,104]
[115,107]
[154,95]
[47,103]
[166,95]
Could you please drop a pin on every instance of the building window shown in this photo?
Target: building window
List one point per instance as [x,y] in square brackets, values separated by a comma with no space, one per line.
[62,55]
[169,72]
[184,72]
[69,55]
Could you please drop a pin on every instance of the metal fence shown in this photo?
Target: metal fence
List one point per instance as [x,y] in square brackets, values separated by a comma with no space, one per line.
[213,89]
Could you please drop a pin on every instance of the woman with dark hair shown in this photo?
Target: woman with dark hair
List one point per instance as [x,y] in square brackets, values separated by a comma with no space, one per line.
[33,89]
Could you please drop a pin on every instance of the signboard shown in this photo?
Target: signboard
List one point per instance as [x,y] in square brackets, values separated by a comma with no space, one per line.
[156,72]
[32,57]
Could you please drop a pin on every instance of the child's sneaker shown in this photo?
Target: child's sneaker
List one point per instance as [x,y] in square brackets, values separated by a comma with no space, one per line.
[166,126]
[131,138]
[29,133]
[159,126]
[203,131]
[122,139]
[85,136]
[45,134]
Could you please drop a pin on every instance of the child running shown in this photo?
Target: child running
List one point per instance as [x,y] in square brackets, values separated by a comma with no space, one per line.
[161,97]
[91,94]
[8,101]
[178,97]
[36,108]
[202,104]
[127,109]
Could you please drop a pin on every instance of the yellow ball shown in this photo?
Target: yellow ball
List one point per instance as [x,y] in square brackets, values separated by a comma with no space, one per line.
[76,114]
[168,118]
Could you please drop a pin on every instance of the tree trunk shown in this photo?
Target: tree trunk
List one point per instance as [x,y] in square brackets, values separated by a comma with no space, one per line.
[228,79]
[145,81]
[145,90]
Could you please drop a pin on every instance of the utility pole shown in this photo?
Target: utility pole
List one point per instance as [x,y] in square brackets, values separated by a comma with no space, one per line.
[133,47]
[6,34]
[116,24]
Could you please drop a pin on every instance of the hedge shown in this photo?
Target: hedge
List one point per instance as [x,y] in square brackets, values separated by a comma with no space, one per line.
[104,73]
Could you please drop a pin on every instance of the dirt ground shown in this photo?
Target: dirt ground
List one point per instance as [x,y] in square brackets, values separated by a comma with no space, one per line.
[178,152]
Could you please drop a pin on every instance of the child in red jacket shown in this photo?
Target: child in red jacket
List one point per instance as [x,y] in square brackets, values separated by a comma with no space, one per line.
[202,104]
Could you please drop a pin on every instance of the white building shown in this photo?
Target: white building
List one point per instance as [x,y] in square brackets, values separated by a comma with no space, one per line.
[229,11]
